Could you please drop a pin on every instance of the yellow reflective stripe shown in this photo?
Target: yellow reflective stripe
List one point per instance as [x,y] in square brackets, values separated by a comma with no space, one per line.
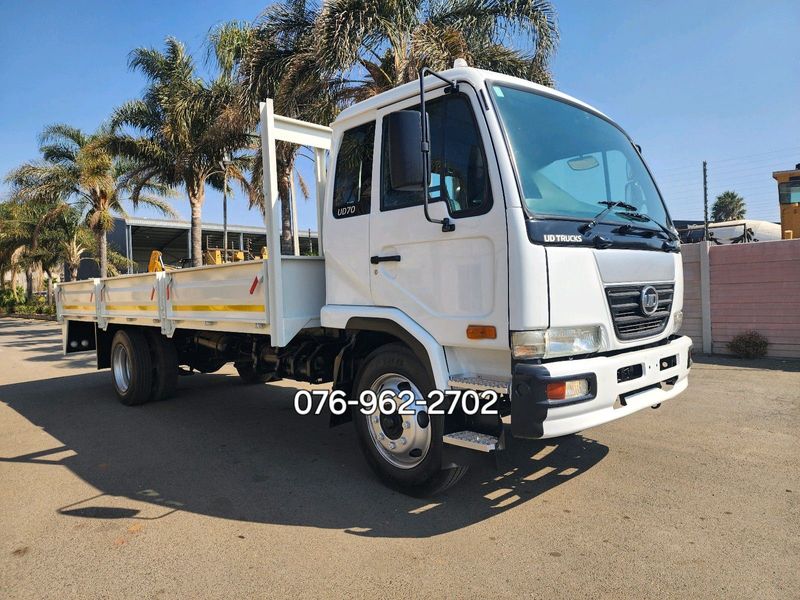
[219,307]
[131,307]
[79,307]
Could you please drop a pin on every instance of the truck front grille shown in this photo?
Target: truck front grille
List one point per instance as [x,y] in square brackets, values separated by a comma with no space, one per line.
[630,321]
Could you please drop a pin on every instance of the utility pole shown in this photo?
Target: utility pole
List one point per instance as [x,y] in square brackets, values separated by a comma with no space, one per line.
[705,201]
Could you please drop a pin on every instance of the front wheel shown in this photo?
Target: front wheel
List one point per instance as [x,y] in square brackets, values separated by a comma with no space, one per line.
[405,450]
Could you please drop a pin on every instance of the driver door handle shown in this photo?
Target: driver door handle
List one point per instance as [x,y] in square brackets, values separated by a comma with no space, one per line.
[379,259]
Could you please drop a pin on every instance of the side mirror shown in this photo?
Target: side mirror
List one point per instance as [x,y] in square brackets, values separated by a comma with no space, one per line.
[404,140]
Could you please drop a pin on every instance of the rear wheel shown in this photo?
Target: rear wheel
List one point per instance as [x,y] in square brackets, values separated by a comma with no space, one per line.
[405,450]
[131,367]
[165,364]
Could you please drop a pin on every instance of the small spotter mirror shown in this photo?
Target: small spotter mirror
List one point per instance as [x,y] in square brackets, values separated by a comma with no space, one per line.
[582,163]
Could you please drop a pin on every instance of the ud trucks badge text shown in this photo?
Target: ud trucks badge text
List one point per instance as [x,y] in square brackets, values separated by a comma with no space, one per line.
[558,237]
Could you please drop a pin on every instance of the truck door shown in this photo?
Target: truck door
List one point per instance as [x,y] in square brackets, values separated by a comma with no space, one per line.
[445,281]
[347,232]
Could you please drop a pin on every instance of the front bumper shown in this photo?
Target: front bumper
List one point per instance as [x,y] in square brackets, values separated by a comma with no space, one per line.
[653,377]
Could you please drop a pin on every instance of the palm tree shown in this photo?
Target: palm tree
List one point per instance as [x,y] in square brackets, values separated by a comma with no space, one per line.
[314,61]
[381,45]
[729,206]
[68,239]
[10,243]
[180,132]
[276,58]
[24,221]
[80,168]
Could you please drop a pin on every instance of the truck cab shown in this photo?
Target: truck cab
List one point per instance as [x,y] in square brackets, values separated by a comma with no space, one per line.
[574,315]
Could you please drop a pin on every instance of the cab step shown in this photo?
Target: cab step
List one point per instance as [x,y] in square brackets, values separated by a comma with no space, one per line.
[472,440]
[479,383]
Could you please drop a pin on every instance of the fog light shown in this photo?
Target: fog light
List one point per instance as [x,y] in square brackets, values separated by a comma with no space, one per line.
[567,390]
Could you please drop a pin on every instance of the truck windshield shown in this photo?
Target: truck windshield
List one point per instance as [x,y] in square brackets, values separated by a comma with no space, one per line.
[571,161]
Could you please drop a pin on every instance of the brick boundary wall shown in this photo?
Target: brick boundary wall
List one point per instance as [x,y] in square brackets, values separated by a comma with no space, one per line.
[733,288]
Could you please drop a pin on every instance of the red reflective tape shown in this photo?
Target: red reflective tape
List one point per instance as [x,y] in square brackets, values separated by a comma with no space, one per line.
[169,284]
[152,293]
[91,297]
[254,285]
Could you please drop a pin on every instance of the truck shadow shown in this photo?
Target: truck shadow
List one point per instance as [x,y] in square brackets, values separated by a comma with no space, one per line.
[39,343]
[227,450]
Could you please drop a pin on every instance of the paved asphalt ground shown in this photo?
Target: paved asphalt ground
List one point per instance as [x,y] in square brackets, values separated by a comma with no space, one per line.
[224,492]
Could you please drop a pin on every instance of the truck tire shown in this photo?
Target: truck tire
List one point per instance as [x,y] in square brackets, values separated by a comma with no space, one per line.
[131,367]
[404,450]
[249,375]
[165,365]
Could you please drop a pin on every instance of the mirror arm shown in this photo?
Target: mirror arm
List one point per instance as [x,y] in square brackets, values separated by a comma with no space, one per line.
[446,223]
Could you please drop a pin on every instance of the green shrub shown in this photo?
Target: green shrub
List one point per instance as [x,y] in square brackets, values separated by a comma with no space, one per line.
[10,297]
[749,344]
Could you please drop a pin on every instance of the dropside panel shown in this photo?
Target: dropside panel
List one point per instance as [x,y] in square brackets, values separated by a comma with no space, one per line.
[77,300]
[229,297]
[129,299]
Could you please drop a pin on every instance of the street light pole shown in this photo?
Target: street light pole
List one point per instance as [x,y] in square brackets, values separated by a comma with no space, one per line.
[225,217]
[226,161]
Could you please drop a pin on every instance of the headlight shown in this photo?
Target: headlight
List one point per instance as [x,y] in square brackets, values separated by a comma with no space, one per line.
[556,341]
[678,320]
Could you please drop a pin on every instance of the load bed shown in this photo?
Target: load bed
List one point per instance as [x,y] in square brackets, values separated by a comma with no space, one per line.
[277,296]
[231,297]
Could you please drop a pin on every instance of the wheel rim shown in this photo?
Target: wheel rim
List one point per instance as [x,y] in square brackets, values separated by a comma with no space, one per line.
[121,366]
[402,440]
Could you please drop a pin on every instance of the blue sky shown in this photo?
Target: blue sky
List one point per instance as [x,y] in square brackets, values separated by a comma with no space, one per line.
[689,81]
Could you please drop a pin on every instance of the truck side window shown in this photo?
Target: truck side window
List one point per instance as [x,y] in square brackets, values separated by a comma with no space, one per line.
[352,184]
[458,162]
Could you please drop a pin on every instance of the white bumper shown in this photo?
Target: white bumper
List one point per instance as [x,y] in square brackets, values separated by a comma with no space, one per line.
[644,391]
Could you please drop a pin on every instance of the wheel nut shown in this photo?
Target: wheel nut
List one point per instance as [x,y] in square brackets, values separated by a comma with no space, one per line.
[392,445]
[381,436]
[406,425]
[375,418]
[403,441]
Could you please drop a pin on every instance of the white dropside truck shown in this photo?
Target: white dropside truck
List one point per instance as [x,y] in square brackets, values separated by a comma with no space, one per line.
[512,245]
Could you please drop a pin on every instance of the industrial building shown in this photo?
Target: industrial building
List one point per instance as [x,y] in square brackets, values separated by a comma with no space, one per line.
[789,200]
[135,238]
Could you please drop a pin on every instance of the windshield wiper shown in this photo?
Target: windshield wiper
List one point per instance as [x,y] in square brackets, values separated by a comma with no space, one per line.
[637,216]
[610,205]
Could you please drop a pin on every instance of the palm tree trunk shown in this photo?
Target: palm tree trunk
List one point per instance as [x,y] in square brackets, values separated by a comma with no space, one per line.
[284,189]
[49,287]
[29,283]
[102,245]
[197,229]
[287,245]
[73,273]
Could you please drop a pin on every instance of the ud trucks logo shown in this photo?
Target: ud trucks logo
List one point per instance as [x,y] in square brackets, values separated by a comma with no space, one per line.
[559,237]
[649,300]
